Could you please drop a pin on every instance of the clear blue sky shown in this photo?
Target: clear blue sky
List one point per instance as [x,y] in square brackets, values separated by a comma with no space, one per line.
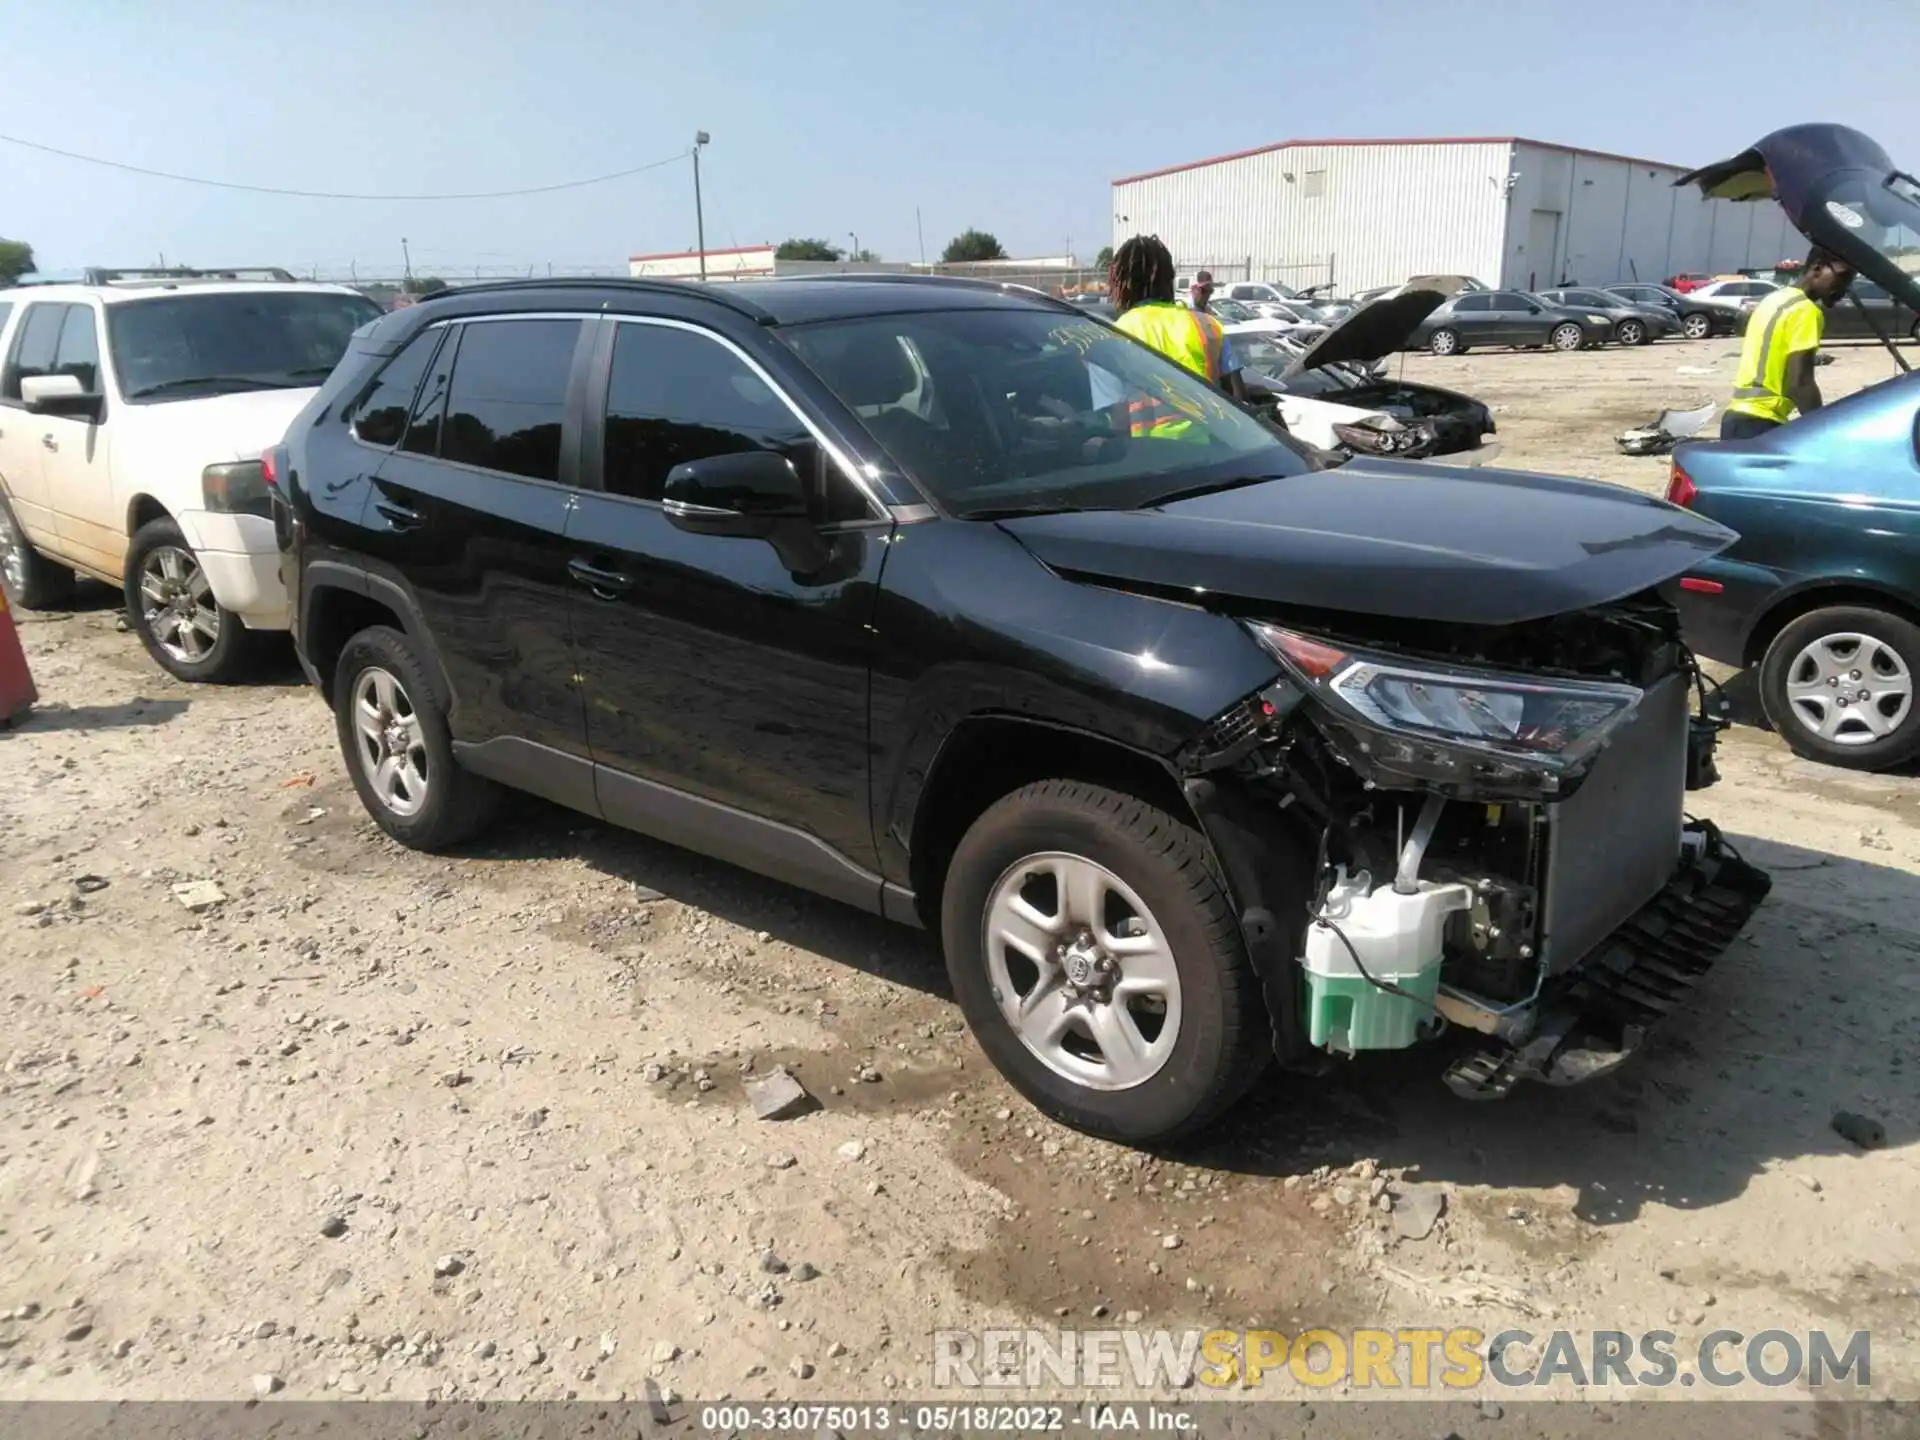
[830,118]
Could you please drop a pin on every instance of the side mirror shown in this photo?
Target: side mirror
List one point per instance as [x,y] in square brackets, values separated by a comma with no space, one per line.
[58,395]
[743,495]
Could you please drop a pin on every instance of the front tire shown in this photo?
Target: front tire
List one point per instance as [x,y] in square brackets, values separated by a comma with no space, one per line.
[1838,685]
[1631,332]
[1697,326]
[171,607]
[399,752]
[1445,342]
[1567,338]
[1099,962]
[32,581]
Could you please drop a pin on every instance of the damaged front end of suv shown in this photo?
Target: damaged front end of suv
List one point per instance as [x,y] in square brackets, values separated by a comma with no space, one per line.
[1493,820]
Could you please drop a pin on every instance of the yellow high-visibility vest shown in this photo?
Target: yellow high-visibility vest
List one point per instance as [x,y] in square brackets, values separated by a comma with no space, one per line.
[1189,338]
[1784,324]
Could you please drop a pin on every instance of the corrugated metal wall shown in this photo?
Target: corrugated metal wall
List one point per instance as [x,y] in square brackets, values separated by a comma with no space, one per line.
[1622,219]
[1382,212]
[1520,215]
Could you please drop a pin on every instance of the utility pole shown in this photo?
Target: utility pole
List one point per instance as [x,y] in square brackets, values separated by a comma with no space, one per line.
[854,254]
[920,234]
[406,256]
[700,137]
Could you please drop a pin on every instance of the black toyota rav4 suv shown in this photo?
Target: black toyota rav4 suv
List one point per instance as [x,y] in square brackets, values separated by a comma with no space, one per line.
[954,603]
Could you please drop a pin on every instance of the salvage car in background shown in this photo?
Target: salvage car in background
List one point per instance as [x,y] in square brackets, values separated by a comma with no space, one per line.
[1633,324]
[1869,311]
[1822,589]
[1196,753]
[1508,317]
[1697,322]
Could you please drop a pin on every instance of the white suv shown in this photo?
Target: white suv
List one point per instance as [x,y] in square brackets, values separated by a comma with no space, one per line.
[134,408]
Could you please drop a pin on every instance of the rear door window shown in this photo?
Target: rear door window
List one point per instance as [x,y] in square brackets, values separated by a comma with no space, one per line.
[508,400]
[1473,304]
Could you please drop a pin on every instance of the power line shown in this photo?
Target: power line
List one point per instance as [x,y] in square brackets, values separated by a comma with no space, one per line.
[338,195]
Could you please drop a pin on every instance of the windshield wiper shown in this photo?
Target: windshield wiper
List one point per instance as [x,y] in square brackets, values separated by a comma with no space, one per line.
[1038,507]
[202,382]
[1210,488]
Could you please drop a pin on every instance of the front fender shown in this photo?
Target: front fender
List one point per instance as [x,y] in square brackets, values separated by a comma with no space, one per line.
[970,624]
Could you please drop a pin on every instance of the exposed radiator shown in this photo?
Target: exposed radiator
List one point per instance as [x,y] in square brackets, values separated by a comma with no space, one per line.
[1616,843]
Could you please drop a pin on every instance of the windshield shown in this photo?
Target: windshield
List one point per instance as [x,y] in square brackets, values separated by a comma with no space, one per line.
[187,344]
[1013,410]
[1232,311]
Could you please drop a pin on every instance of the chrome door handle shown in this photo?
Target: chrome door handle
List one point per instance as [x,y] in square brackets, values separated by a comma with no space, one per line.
[49,442]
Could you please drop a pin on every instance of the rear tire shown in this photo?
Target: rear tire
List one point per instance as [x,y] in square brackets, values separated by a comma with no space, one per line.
[399,752]
[1860,649]
[1631,332]
[1103,1065]
[1567,338]
[32,581]
[1445,342]
[172,609]
[1697,326]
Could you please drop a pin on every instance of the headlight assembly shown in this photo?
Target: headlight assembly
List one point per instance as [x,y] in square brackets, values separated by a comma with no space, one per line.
[1439,723]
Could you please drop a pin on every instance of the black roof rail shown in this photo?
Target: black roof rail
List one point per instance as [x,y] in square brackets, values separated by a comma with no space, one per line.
[969,282]
[682,288]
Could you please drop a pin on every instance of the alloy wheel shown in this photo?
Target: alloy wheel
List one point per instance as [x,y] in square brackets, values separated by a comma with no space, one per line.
[389,744]
[177,604]
[13,554]
[1082,971]
[1850,688]
[1632,332]
[1697,327]
[1443,342]
[1568,337]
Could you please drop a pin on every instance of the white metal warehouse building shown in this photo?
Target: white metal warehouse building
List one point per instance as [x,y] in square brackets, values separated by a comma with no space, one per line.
[1518,214]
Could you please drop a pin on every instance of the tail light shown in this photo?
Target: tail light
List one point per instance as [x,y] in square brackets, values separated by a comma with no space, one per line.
[1681,490]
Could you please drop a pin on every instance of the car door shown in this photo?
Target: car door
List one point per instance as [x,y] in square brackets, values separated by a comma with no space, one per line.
[1472,316]
[1507,321]
[28,441]
[726,693]
[79,468]
[466,519]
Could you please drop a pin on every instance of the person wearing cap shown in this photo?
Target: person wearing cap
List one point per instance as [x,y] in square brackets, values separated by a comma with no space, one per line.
[1200,293]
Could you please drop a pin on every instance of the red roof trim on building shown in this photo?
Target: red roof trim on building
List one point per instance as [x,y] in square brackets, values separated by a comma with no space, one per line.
[695,254]
[1391,140]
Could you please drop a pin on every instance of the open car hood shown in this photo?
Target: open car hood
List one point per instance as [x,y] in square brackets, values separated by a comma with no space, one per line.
[1373,332]
[1840,190]
[1393,538]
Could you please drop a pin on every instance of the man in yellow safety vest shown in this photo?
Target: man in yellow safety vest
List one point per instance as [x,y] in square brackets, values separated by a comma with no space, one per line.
[1140,285]
[1775,378]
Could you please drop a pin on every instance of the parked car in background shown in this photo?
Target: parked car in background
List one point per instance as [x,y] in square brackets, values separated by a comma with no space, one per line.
[1250,292]
[1822,589]
[1743,290]
[1697,322]
[1633,324]
[1508,317]
[1892,318]
[133,412]
[861,583]
[1687,281]
[1329,394]
[1269,318]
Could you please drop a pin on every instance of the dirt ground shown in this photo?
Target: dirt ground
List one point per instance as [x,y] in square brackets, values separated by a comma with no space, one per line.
[382,1124]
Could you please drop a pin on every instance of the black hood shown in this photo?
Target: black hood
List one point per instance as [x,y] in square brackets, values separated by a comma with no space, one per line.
[1373,332]
[1840,190]
[1393,538]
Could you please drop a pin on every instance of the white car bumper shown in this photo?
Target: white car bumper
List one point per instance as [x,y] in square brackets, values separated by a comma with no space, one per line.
[241,559]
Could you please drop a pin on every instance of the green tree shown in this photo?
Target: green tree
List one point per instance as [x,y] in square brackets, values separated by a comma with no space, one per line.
[428,285]
[971,245]
[16,259]
[1104,258]
[799,249]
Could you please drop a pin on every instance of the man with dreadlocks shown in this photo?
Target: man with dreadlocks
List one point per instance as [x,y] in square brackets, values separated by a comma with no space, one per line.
[1140,285]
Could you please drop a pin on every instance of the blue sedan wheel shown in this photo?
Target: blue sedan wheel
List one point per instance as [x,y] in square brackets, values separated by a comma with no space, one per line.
[1838,684]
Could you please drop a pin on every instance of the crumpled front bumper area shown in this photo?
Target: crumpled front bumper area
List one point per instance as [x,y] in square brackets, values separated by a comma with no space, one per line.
[1597,1014]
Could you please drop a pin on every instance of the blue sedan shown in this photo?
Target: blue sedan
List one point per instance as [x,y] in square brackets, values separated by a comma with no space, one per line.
[1822,590]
